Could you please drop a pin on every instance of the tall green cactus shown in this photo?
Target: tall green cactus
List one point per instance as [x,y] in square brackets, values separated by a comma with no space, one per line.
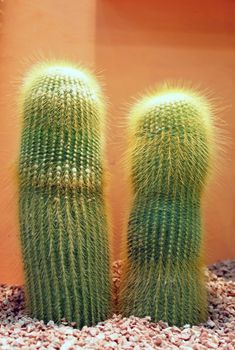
[62,210]
[169,160]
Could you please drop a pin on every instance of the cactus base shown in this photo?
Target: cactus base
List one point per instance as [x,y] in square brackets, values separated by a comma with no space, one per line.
[175,294]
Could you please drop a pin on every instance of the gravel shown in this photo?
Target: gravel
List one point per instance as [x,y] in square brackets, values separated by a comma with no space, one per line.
[19,331]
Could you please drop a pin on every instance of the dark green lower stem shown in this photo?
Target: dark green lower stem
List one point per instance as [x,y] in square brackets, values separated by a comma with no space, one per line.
[164,277]
[175,294]
[64,242]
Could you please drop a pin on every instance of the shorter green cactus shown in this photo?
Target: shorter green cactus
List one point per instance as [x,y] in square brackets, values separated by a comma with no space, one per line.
[63,217]
[171,146]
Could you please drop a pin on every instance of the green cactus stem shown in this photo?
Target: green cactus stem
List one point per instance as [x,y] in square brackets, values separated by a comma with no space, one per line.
[169,162]
[62,210]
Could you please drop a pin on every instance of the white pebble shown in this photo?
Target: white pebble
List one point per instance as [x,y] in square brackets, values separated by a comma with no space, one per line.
[67,345]
[114,336]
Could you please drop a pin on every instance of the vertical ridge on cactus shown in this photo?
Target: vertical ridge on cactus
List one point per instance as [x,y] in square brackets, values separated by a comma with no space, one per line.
[169,160]
[62,210]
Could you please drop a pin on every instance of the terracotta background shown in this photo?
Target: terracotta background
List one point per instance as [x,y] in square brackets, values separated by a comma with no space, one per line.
[134,44]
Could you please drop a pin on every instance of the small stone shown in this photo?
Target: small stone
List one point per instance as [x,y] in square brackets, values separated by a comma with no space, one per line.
[137,347]
[114,336]
[186,334]
[93,331]
[157,341]
[163,324]
[110,345]
[212,345]
[21,322]
[100,336]
[210,323]
[67,345]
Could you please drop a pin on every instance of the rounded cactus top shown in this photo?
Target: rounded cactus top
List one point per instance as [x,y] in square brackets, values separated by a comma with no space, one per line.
[58,93]
[62,141]
[171,137]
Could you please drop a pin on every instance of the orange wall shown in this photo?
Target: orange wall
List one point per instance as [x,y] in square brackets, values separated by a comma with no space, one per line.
[135,44]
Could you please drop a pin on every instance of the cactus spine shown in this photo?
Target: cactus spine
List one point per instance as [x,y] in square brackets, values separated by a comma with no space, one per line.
[62,211]
[169,159]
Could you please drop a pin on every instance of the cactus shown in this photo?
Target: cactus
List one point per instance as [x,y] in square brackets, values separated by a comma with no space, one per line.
[62,209]
[169,159]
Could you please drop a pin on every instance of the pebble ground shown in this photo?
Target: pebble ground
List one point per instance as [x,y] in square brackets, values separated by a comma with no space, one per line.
[19,331]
